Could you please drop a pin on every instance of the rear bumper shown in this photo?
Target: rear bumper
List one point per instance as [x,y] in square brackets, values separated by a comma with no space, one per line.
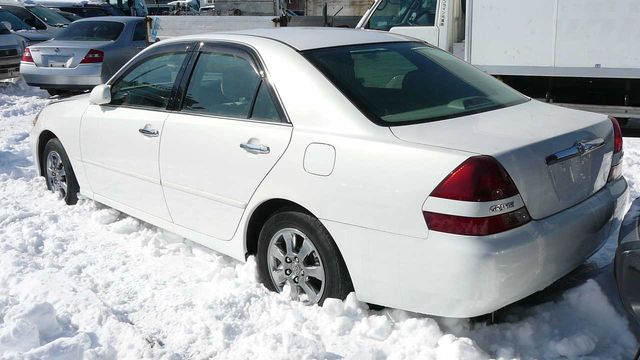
[9,67]
[463,276]
[84,76]
[627,261]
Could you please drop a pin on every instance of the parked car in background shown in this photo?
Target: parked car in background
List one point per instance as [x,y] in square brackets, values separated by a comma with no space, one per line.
[28,34]
[344,159]
[10,52]
[85,54]
[67,15]
[93,10]
[28,14]
[49,16]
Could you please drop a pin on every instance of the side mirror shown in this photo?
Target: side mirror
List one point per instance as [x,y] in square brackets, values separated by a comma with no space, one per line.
[100,95]
[6,24]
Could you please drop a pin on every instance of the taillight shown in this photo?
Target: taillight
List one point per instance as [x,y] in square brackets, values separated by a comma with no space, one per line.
[93,56]
[617,135]
[26,56]
[482,187]
[616,166]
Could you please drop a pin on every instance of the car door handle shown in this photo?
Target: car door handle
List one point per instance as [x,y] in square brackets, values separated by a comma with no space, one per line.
[255,148]
[150,132]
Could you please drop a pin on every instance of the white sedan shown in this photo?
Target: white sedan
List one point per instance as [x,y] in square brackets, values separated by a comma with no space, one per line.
[344,160]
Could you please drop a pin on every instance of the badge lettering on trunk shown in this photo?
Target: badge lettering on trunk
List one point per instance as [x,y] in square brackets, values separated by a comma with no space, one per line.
[501,207]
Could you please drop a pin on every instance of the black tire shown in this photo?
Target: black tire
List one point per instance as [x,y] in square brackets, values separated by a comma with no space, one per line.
[337,281]
[53,147]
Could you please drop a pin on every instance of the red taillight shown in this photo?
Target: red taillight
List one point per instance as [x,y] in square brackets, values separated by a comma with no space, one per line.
[26,56]
[617,135]
[481,226]
[93,56]
[483,181]
[480,178]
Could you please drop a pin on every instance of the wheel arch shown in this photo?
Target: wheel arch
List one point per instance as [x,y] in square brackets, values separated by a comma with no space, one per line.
[261,214]
[43,138]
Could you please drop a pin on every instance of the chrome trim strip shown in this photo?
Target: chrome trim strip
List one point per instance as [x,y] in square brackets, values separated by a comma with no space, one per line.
[578,149]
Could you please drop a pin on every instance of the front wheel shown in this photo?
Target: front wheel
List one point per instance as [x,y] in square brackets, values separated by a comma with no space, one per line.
[295,250]
[58,172]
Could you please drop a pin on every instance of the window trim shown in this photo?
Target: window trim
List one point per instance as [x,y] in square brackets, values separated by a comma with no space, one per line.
[174,48]
[246,52]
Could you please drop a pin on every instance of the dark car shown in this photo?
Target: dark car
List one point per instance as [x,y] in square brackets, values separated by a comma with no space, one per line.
[93,10]
[67,15]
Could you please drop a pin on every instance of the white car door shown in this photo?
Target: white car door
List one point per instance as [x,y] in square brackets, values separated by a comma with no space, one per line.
[120,141]
[229,134]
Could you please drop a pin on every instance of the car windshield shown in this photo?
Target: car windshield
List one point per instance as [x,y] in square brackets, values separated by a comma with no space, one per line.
[392,13]
[16,23]
[50,17]
[92,31]
[410,82]
[26,16]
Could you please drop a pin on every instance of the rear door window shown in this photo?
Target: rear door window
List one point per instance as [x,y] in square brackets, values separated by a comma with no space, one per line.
[140,32]
[222,84]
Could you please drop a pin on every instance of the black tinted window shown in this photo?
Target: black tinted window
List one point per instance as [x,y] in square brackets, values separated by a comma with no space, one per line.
[409,82]
[222,84]
[140,32]
[92,31]
[148,83]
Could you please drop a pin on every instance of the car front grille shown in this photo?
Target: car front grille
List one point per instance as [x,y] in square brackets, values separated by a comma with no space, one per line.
[8,52]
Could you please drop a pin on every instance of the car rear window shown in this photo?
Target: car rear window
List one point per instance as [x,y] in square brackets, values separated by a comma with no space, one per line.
[92,31]
[410,82]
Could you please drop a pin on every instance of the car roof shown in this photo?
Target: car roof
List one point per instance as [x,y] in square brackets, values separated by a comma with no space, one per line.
[301,38]
[120,19]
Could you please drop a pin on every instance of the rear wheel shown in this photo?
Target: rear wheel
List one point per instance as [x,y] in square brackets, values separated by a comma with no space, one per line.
[295,250]
[58,172]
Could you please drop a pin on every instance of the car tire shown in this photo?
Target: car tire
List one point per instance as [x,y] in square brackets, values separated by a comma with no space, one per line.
[312,265]
[58,172]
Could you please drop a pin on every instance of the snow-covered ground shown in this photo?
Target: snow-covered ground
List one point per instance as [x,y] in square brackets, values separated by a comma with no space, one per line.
[89,282]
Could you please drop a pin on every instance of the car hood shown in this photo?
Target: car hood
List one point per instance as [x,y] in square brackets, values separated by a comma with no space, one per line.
[8,40]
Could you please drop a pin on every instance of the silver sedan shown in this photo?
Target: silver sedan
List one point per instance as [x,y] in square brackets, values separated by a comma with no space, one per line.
[85,54]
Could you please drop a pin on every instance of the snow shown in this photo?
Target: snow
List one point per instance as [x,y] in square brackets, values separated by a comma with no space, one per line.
[90,282]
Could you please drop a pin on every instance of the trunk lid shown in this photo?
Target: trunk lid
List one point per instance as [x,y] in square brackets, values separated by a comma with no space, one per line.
[538,144]
[62,54]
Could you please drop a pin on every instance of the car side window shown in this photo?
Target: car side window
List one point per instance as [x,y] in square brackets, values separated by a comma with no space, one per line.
[264,108]
[140,32]
[222,84]
[148,83]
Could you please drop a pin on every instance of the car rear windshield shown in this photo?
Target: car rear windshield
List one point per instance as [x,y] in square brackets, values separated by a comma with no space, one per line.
[410,82]
[91,31]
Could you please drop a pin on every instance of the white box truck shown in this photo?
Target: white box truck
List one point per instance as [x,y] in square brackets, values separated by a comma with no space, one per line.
[581,53]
